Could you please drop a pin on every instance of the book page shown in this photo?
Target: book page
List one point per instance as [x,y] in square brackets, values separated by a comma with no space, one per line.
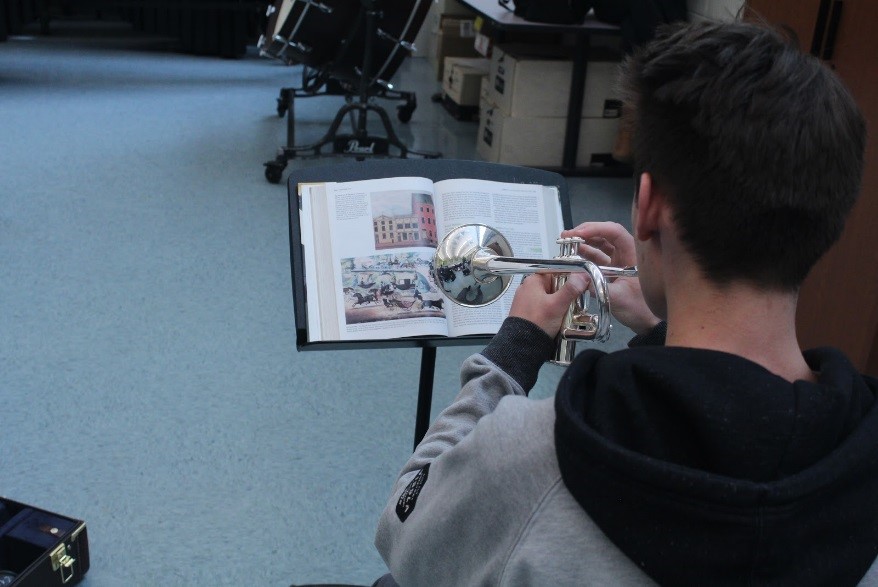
[382,238]
[313,223]
[527,215]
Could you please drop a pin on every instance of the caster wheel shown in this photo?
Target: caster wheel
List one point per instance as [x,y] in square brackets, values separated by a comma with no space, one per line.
[404,114]
[273,172]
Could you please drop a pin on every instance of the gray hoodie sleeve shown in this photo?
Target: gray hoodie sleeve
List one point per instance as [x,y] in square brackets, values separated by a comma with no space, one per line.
[443,503]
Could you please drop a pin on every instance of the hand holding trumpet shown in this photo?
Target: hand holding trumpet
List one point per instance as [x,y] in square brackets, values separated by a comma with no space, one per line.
[536,302]
[609,243]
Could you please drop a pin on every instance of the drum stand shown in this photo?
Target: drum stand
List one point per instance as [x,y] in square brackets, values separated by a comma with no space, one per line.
[359,143]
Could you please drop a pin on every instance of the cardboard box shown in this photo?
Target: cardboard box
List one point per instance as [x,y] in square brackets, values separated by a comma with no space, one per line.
[539,141]
[452,7]
[534,81]
[455,37]
[462,80]
[483,44]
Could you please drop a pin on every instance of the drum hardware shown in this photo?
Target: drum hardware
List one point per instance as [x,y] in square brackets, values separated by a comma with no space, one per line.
[379,82]
[473,266]
[349,73]
[262,43]
[315,25]
[410,47]
[297,46]
[318,5]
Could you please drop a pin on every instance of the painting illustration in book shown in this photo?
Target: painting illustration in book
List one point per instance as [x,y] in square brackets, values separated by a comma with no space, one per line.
[389,287]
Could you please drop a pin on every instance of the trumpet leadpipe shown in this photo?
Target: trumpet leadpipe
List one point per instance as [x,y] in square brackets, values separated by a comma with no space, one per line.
[486,265]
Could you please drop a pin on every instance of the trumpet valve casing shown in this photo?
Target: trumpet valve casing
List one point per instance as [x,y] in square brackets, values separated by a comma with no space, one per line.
[576,321]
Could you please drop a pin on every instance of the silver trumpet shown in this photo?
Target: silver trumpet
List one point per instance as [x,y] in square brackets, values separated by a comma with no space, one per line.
[473,266]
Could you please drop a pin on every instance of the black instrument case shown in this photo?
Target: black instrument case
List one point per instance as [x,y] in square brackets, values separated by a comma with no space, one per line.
[39,548]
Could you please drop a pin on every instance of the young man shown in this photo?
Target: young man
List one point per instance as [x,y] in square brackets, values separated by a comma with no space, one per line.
[719,454]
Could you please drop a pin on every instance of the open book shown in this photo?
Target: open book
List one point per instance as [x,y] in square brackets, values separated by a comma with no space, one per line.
[368,250]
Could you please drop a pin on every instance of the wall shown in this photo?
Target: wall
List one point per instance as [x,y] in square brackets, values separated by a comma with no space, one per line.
[838,303]
[714,9]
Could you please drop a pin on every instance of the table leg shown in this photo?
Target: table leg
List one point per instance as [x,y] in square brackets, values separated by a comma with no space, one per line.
[574,107]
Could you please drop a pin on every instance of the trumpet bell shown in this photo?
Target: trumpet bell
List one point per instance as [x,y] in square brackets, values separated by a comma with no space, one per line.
[454,270]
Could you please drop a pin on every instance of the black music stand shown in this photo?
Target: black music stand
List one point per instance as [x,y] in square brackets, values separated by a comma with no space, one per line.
[434,169]
[359,90]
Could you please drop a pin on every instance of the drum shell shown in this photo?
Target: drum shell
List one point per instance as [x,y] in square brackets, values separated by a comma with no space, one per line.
[400,20]
[298,32]
[305,34]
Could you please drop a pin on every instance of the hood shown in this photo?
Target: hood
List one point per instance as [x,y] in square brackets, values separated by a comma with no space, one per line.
[706,469]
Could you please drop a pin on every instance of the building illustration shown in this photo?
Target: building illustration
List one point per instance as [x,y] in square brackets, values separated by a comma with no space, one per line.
[408,230]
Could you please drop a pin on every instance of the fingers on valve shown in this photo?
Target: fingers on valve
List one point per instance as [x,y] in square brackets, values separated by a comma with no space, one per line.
[595,254]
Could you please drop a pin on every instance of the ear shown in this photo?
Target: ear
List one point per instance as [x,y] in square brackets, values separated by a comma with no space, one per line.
[648,209]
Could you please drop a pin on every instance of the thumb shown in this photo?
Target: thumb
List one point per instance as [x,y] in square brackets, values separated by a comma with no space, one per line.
[575,286]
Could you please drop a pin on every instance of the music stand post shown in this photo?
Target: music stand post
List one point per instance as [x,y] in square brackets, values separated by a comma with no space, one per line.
[359,94]
[435,170]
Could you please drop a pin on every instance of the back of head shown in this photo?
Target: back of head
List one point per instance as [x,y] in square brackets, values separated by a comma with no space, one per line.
[758,146]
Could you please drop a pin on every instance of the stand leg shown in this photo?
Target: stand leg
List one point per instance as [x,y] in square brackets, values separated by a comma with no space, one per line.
[291,120]
[367,64]
[574,106]
[425,393]
[388,128]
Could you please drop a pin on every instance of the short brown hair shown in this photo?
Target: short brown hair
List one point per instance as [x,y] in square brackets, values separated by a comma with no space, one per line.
[758,146]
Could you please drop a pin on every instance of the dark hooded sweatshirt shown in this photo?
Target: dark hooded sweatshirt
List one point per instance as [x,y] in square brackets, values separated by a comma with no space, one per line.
[706,469]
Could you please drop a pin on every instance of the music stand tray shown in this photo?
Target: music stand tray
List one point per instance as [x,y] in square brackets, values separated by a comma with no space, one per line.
[435,170]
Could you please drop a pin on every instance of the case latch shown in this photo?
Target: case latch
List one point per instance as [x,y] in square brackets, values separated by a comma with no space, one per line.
[62,562]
